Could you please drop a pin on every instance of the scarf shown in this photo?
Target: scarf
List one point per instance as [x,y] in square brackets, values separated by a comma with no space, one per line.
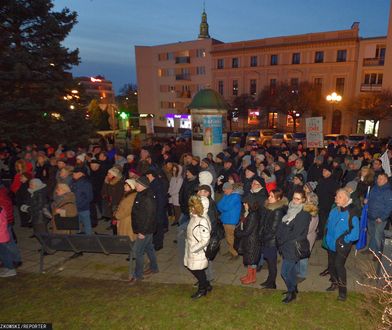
[292,212]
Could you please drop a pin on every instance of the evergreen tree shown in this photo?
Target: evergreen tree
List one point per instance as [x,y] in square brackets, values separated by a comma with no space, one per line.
[34,77]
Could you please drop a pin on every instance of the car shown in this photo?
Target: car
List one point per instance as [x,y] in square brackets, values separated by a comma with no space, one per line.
[260,136]
[298,138]
[356,139]
[237,138]
[334,139]
[278,138]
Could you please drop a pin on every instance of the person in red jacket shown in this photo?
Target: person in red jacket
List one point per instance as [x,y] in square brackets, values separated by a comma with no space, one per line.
[7,207]
[21,166]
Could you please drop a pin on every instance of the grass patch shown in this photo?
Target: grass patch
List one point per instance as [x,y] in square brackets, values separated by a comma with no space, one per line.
[73,303]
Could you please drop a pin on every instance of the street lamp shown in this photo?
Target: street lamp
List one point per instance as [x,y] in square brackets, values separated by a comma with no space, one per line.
[333,99]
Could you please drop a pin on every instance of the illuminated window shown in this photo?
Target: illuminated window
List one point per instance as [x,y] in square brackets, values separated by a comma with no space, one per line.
[290,122]
[272,119]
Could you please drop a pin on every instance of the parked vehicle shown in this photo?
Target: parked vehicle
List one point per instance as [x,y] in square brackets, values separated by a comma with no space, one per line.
[260,136]
[278,138]
[299,138]
[237,138]
[335,139]
[356,139]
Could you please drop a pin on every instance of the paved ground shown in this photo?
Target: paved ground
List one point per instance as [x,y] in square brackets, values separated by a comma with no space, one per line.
[115,267]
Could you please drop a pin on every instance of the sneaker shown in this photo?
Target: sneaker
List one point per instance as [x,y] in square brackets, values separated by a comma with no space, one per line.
[149,271]
[6,272]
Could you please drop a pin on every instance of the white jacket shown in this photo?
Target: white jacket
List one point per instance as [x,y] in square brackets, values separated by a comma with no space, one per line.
[197,239]
[174,188]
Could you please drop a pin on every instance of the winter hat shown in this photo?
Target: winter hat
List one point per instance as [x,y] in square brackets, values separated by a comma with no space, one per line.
[143,181]
[152,172]
[311,185]
[281,165]
[259,180]
[205,177]
[246,159]
[205,187]
[206,160]
[300,177]
[260,157]
[221,156]
[38,184]
[336,160]
[115,172]
[227,185]
[81,157]
[193,170]
[80,169]
[352,185]
[131,183]
[131,157]
[327,168]
[292,157]
[267,173]
[95,161]
[252,169]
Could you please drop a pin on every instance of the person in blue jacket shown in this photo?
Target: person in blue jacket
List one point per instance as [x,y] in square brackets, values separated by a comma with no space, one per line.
[230,208]
[341,232]
[82,188]
[380,208]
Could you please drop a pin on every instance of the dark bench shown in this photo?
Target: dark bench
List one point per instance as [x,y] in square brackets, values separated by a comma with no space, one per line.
[79,243]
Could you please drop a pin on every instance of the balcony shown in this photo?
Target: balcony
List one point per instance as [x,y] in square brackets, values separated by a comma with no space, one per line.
[183,77]
[183,60]
[373,61]
[371,87]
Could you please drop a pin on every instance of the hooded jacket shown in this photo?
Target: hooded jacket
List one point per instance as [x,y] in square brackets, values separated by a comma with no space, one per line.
[206,178]
[271,217]
[230,208]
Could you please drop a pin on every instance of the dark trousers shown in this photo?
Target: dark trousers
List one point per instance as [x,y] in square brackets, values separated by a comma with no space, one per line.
[270,254]
[201,277]
[323,217]
[159,233]
[336,262]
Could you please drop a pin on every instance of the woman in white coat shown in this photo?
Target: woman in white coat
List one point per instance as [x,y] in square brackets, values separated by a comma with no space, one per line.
[197,239]
[174,190]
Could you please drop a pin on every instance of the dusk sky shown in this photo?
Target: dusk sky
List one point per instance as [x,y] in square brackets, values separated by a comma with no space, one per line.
[108,30]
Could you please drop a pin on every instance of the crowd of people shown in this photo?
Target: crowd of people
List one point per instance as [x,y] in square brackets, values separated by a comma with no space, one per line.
[269,201]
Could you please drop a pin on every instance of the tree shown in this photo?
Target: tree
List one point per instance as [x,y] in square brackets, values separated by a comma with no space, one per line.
[127,101]
[99,118]
[34,77]
[242,103]
[373,106]
[294,101]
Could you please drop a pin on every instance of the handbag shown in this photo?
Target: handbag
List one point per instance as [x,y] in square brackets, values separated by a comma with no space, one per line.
[302,248]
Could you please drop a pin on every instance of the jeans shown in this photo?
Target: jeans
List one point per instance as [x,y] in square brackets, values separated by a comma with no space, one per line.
[141,247]
[376,234]
[13,248]
[289,274]
[84,219]
[302,268]
[6,255]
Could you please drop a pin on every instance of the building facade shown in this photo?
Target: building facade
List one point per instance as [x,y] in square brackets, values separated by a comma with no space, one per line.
[336,61]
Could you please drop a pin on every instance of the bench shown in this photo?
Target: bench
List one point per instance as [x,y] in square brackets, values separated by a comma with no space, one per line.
[80,243]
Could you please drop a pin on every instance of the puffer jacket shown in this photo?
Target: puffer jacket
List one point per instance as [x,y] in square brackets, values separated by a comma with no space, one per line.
[288,234]
[197,238]
[83,192]
[4,233]
[230,208]
[271,217]
[250,243]
[206,178]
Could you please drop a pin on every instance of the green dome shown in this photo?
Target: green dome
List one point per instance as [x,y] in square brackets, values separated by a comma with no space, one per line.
[208,99]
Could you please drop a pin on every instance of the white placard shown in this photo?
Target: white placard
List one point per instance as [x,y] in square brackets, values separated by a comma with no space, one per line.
[314,132]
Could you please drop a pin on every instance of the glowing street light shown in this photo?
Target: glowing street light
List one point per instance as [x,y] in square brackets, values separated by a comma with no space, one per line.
[334,98]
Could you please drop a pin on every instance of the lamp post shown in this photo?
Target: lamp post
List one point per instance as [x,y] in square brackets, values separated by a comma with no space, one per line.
[333,99]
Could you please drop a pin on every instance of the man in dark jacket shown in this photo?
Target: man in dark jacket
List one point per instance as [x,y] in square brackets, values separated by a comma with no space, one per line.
[83,191]
[315,171]
[380,208]
[157,187]
[144,225]
[97,177]
[325,191]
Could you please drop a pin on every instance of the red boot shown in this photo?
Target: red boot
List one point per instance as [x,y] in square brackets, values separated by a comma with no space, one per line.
[251,278]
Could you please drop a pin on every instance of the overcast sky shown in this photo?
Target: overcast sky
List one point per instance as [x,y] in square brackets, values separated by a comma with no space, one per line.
[108,30]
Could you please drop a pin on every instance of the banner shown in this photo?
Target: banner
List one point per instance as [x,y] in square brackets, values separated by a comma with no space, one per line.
[386,165]
[314,132]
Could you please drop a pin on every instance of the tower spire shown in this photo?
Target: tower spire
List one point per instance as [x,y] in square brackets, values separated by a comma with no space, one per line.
[203,34]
